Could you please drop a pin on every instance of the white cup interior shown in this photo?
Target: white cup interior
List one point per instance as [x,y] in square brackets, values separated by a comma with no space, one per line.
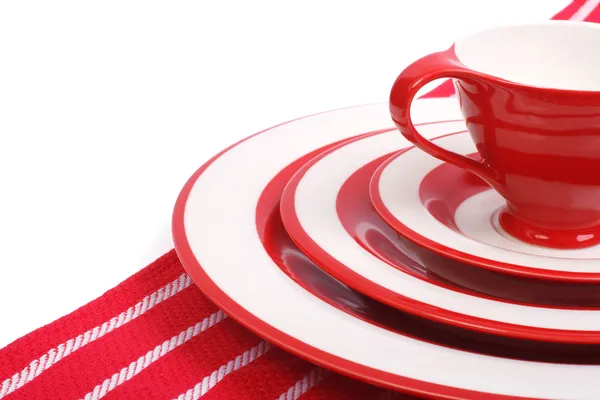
[552,54]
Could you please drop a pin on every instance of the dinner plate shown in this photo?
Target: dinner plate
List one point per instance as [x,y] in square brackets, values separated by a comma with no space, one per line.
[216,237]
[309,213]
[455,214]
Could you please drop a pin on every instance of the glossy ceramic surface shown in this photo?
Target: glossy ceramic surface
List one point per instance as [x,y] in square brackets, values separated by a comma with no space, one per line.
[452,212]
[530,96]
[251,287]
[446,184]
[309,213]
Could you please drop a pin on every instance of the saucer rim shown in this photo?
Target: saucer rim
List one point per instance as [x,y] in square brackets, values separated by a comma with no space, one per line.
[461,256]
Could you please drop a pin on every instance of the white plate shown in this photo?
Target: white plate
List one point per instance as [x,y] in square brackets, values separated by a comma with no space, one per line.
[216,238]
[398,189]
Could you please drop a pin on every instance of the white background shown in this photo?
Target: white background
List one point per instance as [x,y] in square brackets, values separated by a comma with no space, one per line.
[107,107]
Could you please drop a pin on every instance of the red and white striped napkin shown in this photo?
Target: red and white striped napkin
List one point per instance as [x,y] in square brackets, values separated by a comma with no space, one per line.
[156,336]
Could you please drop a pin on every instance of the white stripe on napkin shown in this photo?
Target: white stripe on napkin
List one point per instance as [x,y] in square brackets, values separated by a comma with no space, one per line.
[135,367]
[52,356]
[585,10]
[210,381]
[315,376]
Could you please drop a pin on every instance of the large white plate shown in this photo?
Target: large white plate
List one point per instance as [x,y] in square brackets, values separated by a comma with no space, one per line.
[215,235]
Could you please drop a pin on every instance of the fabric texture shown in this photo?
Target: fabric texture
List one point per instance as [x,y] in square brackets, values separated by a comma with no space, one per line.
[156,336]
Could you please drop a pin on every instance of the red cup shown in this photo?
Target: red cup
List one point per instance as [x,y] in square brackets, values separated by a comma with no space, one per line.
[530,97]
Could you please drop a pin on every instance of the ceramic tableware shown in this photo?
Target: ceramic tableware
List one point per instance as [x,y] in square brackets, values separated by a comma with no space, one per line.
[227,256]
[453,213]
[530,96]
[446,186]
[310,216]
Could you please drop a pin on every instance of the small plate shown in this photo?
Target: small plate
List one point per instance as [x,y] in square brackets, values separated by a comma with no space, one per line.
[309,211]
[452,212]
[365,225]
[227,255]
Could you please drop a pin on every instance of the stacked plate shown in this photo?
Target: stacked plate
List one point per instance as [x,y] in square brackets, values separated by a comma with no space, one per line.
[335,239]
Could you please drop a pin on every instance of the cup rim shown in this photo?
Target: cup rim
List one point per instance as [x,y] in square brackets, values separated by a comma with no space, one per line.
[463,38]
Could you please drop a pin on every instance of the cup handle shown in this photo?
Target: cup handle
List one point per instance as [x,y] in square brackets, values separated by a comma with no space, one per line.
[442,64]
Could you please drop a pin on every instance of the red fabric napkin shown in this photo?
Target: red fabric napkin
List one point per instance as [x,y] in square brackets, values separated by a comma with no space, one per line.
[156,336]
